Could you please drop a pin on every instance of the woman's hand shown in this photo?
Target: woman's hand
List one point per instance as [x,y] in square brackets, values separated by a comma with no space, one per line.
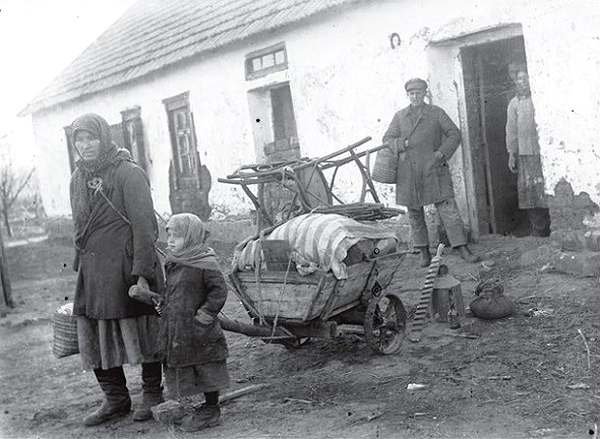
[144,295]
[204,318]
[143,283]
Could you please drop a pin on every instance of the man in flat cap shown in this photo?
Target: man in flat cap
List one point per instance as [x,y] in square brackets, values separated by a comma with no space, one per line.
[524,155]
[424,138]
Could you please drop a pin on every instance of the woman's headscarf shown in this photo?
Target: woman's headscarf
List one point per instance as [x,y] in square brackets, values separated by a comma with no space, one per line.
[100,129]
[86,171]
[195,252]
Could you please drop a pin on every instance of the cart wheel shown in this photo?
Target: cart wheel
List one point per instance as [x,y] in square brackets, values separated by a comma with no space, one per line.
[385,323]
[296,343]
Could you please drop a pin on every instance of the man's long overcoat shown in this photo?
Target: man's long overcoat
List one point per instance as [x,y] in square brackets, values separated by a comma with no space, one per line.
[415,139]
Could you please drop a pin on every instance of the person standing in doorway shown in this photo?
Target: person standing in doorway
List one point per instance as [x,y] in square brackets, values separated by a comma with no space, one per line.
[424,138]
[524,156]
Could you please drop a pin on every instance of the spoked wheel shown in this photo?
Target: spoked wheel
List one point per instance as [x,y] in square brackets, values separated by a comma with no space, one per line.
[385,323]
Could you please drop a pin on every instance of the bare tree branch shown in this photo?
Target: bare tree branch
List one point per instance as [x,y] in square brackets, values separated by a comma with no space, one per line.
[11,187]
[21,187]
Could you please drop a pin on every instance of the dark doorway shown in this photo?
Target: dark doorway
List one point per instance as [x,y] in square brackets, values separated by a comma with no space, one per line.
[285,136]
[488,90]
[279,202]
[284,122]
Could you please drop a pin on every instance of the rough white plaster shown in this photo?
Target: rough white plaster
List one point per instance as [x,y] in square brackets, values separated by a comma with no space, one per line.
[347,82]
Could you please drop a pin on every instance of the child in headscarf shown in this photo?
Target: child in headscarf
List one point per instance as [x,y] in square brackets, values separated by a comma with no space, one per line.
[191,337]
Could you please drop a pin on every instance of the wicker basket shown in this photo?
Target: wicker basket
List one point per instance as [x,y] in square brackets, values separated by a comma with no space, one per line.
[65,334]
[385,167]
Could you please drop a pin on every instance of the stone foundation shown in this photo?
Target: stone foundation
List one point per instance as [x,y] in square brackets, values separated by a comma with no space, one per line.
[569,211]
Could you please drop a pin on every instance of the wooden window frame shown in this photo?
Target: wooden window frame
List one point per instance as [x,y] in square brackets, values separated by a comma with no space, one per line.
[253,74]
[173,105]
[131,118]
[70,148]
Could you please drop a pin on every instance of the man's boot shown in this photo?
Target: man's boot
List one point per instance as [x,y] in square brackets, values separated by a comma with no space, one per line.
[425,256]
[466,254]
[117,402]
[152,391]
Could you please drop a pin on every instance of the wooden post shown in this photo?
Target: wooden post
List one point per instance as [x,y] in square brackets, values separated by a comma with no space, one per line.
[3,306]
[5,287]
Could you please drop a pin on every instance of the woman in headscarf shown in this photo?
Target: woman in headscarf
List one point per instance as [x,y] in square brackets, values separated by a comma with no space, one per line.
[115,232]
[191,337]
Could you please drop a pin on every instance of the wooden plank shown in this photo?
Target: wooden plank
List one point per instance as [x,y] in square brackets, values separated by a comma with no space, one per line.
[315,300]
[303,299]
[277,277]
[293,304]
[350,290]
[240,292]
[321,299]
[329,304]
[241,392]
[314,328]
[346,307]
[308,297]
[232,325]
[485,144]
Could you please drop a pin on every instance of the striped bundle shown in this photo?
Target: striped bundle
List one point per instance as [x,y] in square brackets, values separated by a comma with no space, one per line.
[420,320]
[319,239]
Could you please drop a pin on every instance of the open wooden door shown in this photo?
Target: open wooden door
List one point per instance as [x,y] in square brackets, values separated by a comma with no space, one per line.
[488,89]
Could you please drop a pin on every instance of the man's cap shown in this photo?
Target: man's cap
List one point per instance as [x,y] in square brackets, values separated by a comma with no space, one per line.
[415,84]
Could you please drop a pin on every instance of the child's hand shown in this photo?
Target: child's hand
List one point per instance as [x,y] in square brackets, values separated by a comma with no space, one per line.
[204,318]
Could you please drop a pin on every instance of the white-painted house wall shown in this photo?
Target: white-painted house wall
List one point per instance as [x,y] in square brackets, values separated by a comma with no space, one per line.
[346,83]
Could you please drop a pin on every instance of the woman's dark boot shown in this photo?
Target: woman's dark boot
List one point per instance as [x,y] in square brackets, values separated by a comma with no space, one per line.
[151,391]
[117,403]
[205,417]
[425,256]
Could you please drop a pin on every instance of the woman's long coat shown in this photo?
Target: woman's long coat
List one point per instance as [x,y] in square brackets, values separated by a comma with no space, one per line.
[415,139]
[184,340]
[112,253]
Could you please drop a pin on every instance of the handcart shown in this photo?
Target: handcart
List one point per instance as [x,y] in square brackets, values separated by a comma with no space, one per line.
[289,308]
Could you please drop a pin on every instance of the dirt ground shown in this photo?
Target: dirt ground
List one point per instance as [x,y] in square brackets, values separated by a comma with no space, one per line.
[519,377]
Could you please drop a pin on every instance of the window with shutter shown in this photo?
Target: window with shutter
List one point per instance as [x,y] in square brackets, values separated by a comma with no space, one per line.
[133,135]
[183,142]
[70,150]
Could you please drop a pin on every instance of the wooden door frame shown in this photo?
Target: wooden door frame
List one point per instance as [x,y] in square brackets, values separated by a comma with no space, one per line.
[454,45]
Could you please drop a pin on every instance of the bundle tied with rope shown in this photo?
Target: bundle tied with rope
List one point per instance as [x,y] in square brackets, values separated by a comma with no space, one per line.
[491,303]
